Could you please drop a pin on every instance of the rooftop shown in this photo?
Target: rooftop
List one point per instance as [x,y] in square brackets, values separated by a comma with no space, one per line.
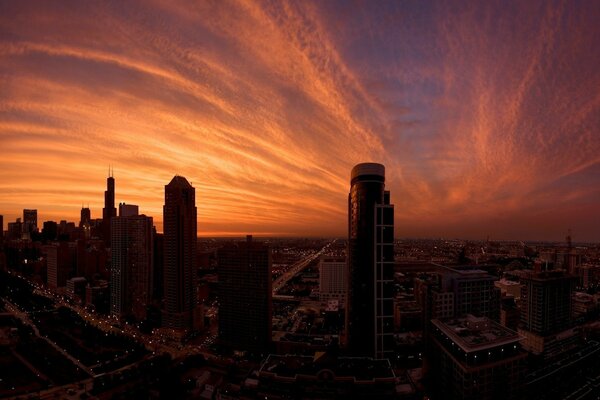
[473,333]
[359,369]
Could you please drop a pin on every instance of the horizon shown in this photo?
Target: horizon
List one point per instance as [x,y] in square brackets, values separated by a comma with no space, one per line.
[486,116]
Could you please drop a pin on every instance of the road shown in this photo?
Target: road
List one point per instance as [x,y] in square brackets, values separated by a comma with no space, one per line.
[27,321]
[297,268]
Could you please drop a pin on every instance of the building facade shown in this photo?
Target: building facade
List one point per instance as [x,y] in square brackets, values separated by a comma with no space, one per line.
[332,279]
[180,243]
[245,294]
[370,307]
[132,265]
[476,358]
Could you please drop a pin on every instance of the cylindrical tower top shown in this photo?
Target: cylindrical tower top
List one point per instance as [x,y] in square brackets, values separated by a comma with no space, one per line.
[368,170]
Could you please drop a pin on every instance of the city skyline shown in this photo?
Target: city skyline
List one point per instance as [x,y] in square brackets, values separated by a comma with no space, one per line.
[484,116]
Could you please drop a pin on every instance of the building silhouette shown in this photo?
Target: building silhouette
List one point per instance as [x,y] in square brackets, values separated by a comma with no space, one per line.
[370,320]
[245,295]
[132,248]
[29,222]
[126,210]
[109,209]
[546,312]
[180,242]
[85,217]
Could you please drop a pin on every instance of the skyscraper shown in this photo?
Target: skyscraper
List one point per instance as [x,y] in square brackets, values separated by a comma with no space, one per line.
[29,221]
[180,241]
[131,268]
[369,321]
[245,296]
[546,312]
[109,209]
[128,209]
[1,226]
[85,218]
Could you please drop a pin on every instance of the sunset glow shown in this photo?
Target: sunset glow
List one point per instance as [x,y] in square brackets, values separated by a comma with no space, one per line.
[486,115]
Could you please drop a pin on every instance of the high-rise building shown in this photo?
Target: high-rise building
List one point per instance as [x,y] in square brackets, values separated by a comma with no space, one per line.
[109,209]
[85,218]
[332,278]
[245,296]
[58,264]
[476,358]
[370,309]
[131,268]
[14,230]
[1,226]
[126,210]
[50,230]
[180,242]
[29,221]
[546,313]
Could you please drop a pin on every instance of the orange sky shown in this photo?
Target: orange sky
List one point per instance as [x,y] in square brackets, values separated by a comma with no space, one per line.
[486,118]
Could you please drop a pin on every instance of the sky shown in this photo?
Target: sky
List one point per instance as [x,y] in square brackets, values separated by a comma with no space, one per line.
[486,114]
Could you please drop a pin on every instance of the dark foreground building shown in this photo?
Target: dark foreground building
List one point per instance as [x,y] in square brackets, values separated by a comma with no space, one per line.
[245,296]
[180,241]
[476,358]
[370,315]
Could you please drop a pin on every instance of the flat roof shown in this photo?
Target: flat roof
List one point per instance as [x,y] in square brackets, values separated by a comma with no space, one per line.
[360,369]
[476,333]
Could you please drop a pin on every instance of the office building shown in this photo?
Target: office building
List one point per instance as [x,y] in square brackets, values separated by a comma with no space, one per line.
[14,230]
[50,230]
[59,264]
[546,313]
[476,358]
[126,210]
[1,227]
[180,242]
[85,217]
[369,311]
[132,256]
[332,279]
[109,211]
[245,296]
[29,222]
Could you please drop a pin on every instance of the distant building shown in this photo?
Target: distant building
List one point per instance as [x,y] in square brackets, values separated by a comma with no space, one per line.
[85,217]
[132,248]
[511,288]
[14,230]
[370,308]
[50,230]
[109,211]
[58,264]
[588,274]
[76,288]
[476,358]
[1,227]
[245,292]
[180,243]
[126,210]
[29,222]
[332,279]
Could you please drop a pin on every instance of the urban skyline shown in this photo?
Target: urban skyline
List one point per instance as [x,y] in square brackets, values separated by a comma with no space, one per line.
[485,115]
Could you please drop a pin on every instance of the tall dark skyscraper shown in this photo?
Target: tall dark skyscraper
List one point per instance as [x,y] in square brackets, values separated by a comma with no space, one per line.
[370,321]
[245,296]
[109,209]
[131,268]
[1,226]
[180,242]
